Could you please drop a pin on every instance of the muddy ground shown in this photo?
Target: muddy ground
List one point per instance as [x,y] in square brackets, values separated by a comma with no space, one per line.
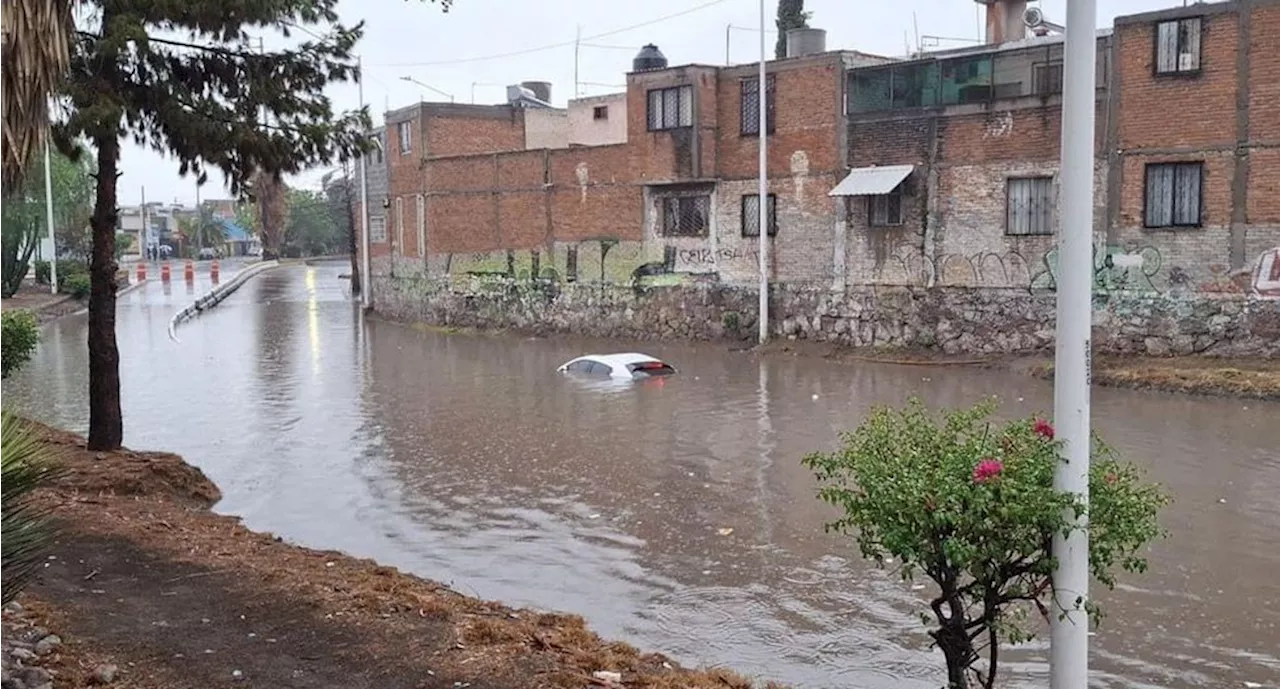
[144,577]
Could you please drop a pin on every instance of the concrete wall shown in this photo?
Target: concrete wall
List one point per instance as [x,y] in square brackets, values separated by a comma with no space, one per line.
[546,128]
[585,129]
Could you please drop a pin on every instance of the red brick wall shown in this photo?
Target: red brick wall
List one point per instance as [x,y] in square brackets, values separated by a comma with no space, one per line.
[669,155]
[1177,110]
[404,181]
[463,134]
[1264,115]
[608,205]
[806,106]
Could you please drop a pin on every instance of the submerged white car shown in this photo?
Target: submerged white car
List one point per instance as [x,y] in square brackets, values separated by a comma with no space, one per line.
[627,366]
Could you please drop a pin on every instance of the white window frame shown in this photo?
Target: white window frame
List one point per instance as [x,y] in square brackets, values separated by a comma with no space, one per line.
[404,131]
[422,224]
[378,229]
[1030,205]
[660,101]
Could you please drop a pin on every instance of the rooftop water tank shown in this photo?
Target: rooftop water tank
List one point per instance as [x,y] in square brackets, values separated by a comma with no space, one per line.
[541,89]
[806,41]
[649,58]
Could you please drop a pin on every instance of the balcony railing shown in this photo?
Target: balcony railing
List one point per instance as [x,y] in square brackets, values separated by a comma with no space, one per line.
[980,78]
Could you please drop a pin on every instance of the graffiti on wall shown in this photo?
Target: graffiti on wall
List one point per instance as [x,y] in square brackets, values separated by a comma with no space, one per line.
[1115,268]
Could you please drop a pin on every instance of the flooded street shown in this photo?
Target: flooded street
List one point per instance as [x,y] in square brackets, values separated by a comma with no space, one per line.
[468,460]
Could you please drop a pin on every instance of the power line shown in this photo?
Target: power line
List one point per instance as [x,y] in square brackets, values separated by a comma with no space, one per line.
[553,46]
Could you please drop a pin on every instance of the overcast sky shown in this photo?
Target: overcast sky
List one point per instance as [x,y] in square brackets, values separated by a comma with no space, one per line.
[414,38]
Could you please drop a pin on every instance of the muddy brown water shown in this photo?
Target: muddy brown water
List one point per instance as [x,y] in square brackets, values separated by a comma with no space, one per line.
[467,459]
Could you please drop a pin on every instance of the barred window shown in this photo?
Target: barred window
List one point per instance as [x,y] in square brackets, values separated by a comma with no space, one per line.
[686,216]
[670,108]
[751,215]
[885,210]
[750,88]
[378,229]
[1173,194]
[1178,46]
[405,132]
[1046,78]
[1029,206]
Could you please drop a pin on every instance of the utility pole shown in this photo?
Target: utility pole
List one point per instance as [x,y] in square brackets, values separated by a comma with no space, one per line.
[146,231]
[762,204]
[48,209]
[577,38]
[199,222]
[1069,625]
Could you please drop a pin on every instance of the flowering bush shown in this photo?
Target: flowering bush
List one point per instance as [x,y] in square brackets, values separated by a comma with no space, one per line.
[971,505]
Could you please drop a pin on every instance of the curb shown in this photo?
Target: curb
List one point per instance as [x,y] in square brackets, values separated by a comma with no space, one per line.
[216,295]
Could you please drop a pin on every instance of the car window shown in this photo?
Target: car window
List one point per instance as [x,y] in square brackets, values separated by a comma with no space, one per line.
[580,367]
[600,369]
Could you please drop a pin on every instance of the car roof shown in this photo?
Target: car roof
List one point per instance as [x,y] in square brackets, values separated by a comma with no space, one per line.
[620,360]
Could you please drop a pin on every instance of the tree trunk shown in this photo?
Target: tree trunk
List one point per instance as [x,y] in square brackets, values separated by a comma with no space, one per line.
[106,424]
[351,233]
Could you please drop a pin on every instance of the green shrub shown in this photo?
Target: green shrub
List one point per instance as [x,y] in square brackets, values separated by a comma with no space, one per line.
[76,284]
[971,505]
[21,334]
[26,463]
[42,272]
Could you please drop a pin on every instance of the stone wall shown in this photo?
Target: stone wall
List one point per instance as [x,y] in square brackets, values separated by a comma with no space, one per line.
[950,319]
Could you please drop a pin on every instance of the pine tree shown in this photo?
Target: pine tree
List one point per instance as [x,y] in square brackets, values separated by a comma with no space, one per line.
[791,15]
[185,78]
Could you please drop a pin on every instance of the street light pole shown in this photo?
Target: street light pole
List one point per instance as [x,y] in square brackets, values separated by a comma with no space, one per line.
[762,198]
[48,209]
[1069,625]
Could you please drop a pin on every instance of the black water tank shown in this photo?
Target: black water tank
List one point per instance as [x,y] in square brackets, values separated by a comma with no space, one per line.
[649,58]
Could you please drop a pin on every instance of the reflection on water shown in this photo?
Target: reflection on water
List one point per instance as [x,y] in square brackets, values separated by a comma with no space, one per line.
[469,460]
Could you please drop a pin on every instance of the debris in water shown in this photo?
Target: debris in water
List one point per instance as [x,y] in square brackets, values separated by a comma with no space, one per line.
[608,676]
[725,531]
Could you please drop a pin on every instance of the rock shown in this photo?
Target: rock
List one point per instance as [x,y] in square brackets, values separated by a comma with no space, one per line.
[22,655]
[13,606]
[608,676]
[1156,346]
[33,677]
[104,674]
[48,644]
[236,674]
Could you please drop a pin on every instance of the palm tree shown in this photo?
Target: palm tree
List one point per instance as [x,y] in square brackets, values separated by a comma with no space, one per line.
[203,230]
[37,38]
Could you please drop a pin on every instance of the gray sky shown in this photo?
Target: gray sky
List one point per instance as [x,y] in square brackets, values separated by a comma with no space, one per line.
[402,36]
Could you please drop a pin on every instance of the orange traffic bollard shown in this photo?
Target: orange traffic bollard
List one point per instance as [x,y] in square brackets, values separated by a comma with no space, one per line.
[189,271]
[164,271]
[213,270]
[142,271]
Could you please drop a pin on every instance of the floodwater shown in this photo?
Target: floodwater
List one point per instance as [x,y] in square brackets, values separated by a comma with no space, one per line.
[466,459]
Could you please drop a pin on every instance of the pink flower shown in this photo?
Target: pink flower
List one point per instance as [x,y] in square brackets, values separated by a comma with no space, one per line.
[986,470]
[1043,428]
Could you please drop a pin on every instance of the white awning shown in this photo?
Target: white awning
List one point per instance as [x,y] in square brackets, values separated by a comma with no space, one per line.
[872,181]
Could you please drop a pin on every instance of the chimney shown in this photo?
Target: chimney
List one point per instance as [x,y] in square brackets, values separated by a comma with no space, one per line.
[1004,20]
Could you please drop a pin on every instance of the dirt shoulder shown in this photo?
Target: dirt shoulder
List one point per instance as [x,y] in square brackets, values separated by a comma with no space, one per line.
[38,300]
[1254,378]
[146,579]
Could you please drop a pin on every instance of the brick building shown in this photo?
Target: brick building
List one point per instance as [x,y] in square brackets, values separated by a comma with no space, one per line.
[940,170]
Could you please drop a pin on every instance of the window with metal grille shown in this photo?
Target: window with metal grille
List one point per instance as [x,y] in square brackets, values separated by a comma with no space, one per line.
[600,112]
[685,216]
[1029,206]
[571,265]
[751,215]
[1046,78]
[670,108]
[378,229]
[1173,194]
[885,210]
[405,131]
[1178,46]
[750,88]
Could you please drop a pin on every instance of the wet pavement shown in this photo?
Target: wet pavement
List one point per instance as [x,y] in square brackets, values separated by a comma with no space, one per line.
[467,459]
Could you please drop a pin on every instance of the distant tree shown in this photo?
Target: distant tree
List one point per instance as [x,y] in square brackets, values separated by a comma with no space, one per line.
[791,15]
[313,229]
[341,193]
[203,230]
[25,221]
[187,78]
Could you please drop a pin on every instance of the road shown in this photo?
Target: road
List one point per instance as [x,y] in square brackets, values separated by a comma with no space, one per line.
[467,460]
